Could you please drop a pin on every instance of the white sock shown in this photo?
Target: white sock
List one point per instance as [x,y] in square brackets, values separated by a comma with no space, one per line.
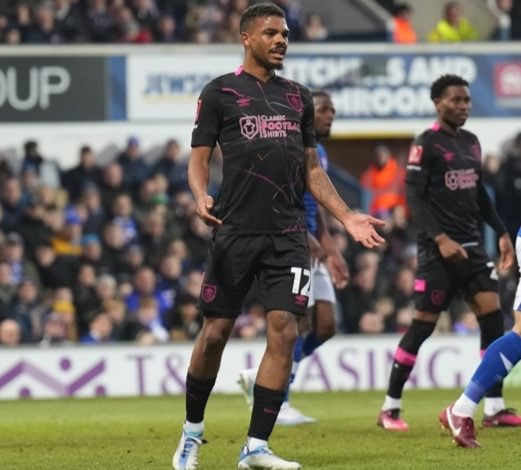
[193,427]
[464,406]
[391,403]
[493,405]
[254,443]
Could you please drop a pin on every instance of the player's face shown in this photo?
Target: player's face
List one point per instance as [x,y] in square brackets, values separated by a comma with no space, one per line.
[454,106]
[267,41]
[324,116]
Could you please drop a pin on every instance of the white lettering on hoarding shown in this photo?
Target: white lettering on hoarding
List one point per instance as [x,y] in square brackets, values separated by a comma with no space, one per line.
[42,83]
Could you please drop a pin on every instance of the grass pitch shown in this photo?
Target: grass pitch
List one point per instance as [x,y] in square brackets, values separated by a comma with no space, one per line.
[141,433]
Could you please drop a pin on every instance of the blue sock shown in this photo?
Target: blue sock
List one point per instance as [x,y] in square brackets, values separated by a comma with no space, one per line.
[297,350]
[500,357]
[311,342]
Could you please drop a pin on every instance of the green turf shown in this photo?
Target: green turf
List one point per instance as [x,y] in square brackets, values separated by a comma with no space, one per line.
[140,433]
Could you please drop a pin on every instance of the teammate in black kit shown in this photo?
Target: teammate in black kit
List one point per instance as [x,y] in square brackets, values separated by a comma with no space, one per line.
[264,125]
[449,203]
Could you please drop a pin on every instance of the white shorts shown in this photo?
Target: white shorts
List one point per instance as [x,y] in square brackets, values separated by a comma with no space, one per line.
[321,284]
[517,300]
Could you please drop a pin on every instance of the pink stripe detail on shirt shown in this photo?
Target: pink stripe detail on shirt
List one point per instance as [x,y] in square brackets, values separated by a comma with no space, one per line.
[482,353]
[436,126]
[403,357]
[238,70]
[420,285]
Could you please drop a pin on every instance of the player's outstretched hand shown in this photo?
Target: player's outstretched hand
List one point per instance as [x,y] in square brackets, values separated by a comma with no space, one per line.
[204,205]
[362,228]
[506,253]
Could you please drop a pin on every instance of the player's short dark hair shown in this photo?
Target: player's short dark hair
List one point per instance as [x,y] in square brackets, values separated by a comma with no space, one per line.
[259,10]
[445,81]
[317,93]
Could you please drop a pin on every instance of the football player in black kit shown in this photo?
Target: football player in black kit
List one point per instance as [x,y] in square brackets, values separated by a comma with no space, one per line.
[264,125]
[449,203]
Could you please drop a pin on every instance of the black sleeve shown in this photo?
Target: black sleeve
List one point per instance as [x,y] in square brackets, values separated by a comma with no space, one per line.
[488,211]
[208,119]
[417,183]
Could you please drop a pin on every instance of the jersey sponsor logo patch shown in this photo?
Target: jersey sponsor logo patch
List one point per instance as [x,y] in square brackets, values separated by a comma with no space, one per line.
[415,154]
[267,127]
[295,101]
[461,179]
[437,297]
[208,292]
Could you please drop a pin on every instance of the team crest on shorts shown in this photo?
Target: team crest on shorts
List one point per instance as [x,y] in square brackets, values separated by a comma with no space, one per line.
[208,292]
[437,296]
[294,101]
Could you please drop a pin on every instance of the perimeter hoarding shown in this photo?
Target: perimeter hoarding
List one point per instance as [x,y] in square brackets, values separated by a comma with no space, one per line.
[52,89]
[343,363]
[363,86]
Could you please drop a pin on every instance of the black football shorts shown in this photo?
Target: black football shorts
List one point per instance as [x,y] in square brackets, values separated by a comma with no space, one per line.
[278,263]
[438,281]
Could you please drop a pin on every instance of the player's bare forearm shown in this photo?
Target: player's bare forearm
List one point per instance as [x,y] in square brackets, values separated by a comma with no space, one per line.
[198,178]
[199,171]
[325,193]
[360,226]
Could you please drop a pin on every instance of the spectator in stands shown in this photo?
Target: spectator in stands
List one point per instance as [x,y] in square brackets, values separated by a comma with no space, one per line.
[95,214]
[154,238]
[26,308]
[69,21]
[33,227]
[502,10]
[67,240]
[122,211]
[100,329]
[85,173]
[403,30]
[99,22]
[10,333]
[146,13]
[23,19]
[112,184]
[13,254]
[47,170]
[86,300]
[515,20]
[360,295]
[54,330]
[148,315]
[166,30]
[12,204]
[294,18]
[92,253]
[172,164]
[251,323]
[314,29]
[44,29]
[185,320]
[133,259]
[385,181]
[134,167]
[7,289]
[127,29]
[170,278]
[113,243]
[62,303]
[6,170]
[453,27]
[371,323]
[54,271]
[144,285]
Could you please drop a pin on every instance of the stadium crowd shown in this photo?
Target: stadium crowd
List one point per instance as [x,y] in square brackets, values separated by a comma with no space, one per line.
[115,252]
[204,21]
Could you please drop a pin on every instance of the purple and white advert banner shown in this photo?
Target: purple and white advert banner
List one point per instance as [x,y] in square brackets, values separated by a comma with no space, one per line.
[343,363]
